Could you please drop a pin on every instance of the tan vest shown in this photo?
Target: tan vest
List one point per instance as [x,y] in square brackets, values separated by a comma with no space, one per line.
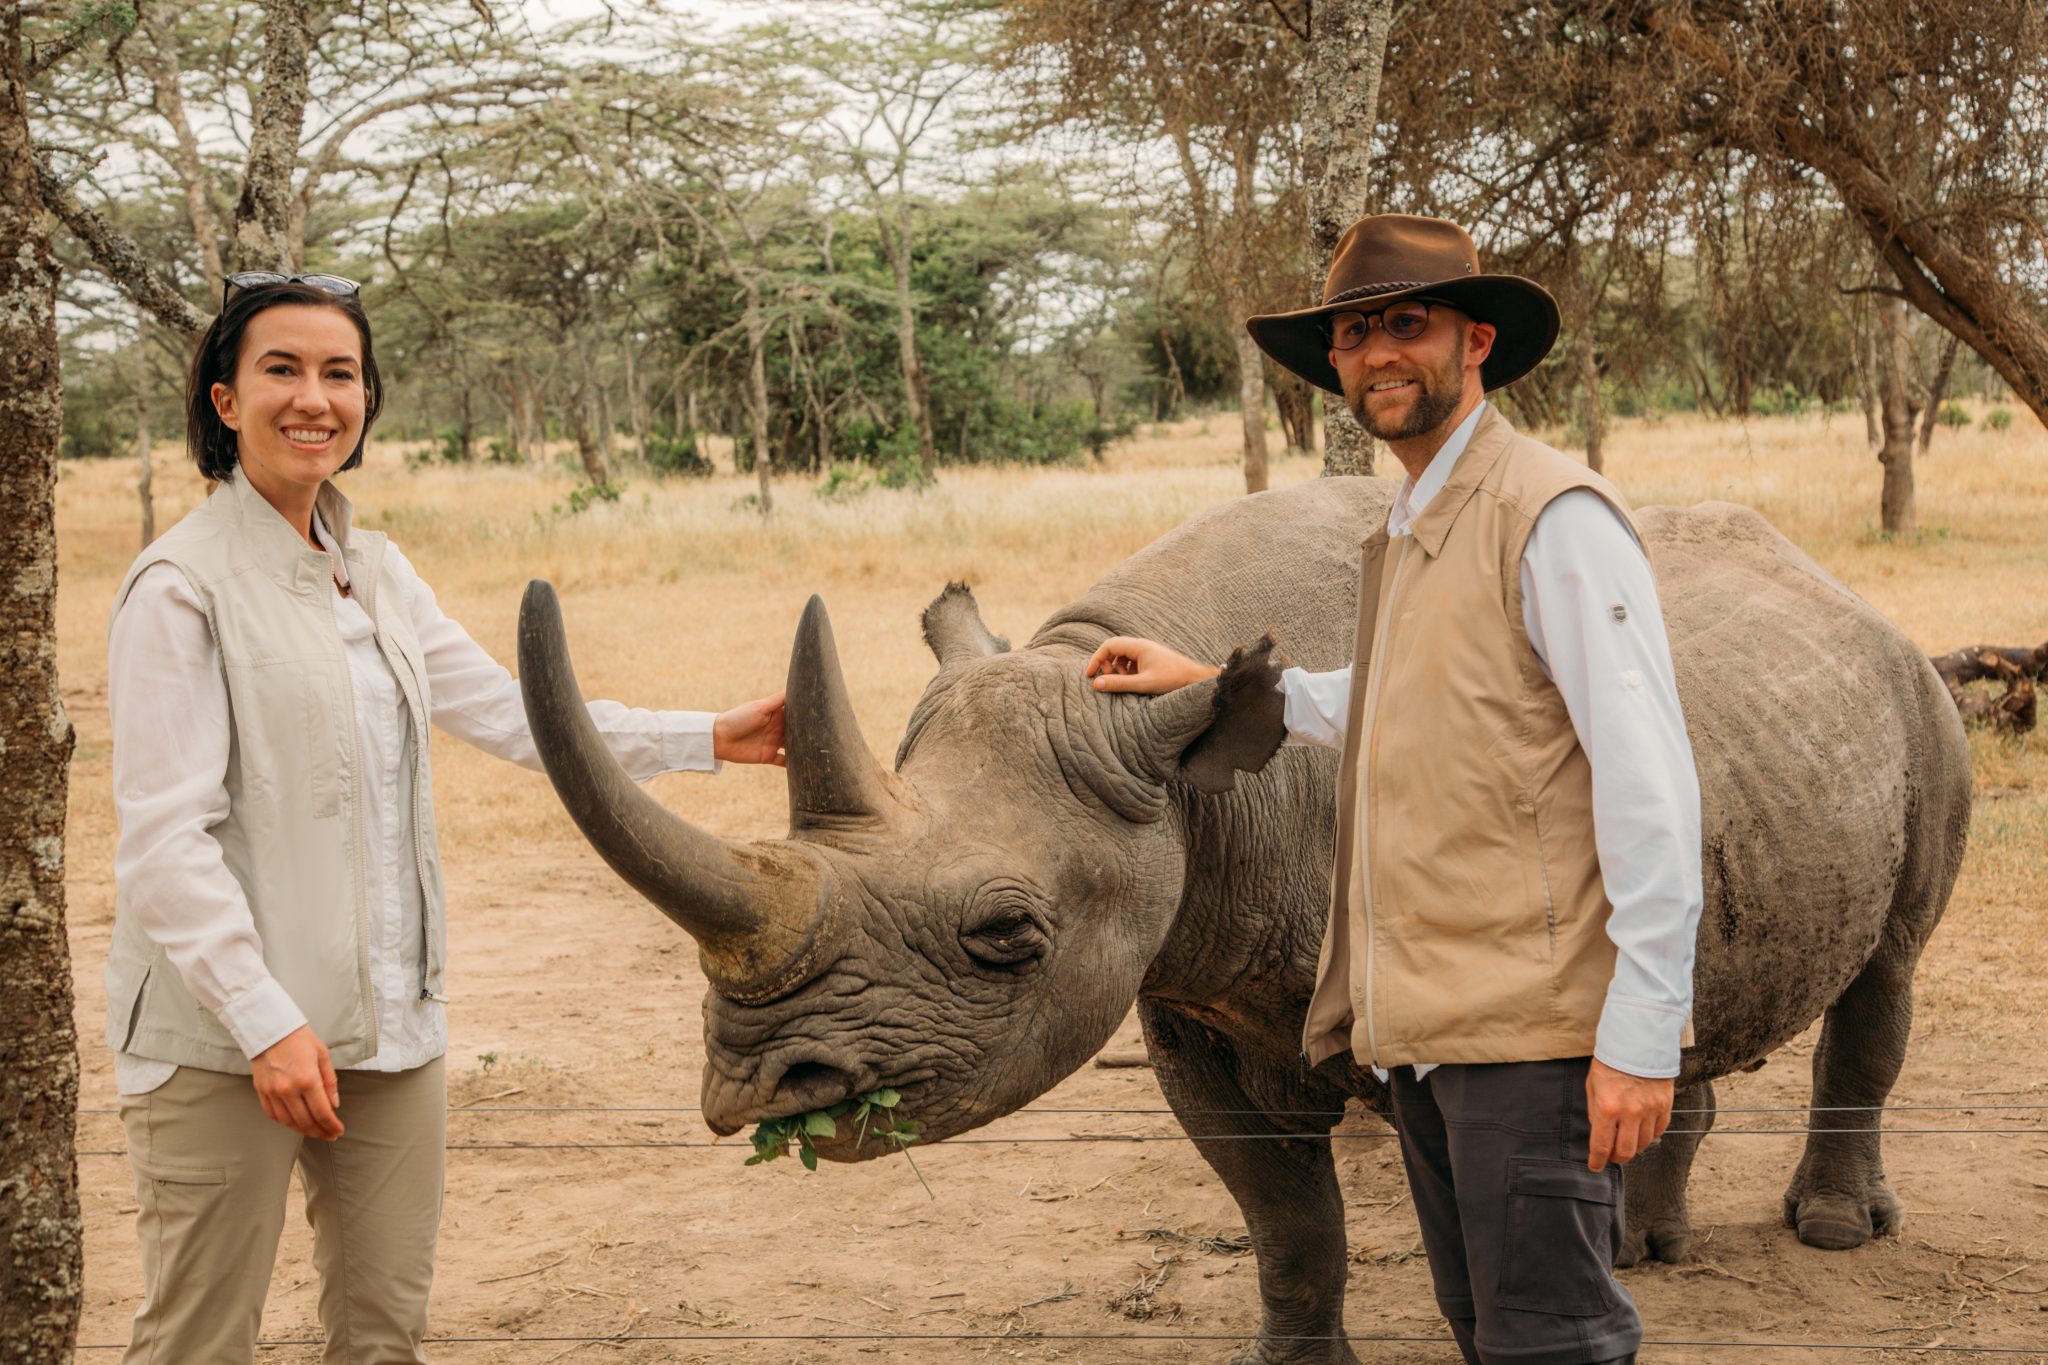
[293,835]
[1467,915]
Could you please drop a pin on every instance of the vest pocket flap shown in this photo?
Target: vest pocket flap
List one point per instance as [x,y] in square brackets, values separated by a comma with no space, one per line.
[1561,1180]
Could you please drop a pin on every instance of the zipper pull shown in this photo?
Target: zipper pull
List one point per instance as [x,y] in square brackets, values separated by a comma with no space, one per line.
[426,994]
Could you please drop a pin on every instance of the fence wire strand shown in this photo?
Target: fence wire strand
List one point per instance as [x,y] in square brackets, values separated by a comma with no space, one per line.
[1357,1339]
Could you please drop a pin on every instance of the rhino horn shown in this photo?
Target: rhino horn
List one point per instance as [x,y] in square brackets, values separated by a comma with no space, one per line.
[835,781]
[756,911]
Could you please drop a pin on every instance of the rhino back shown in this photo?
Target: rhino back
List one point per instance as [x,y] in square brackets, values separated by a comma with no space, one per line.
[1284,561]
[1823,745]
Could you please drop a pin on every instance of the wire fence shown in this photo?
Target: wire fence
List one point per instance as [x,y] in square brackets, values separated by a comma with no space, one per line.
[1444,1343]
[2019,1114]
[2016,1114]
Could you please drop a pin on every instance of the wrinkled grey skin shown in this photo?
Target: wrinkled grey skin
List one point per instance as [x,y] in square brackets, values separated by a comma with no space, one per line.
[985,916]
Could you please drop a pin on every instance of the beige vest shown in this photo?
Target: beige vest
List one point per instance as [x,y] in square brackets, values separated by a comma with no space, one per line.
[1467,915]
[293,835]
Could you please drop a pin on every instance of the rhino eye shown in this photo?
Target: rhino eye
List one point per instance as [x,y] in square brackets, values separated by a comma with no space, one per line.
[1011,938]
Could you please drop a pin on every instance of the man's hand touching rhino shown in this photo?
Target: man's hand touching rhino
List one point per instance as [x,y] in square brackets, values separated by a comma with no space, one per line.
[1126,663]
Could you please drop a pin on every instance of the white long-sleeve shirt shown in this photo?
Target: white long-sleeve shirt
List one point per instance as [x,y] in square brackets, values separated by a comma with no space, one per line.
[1589,605]
[169,705]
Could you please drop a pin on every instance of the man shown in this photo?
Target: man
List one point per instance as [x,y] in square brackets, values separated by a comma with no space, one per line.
[1517,886]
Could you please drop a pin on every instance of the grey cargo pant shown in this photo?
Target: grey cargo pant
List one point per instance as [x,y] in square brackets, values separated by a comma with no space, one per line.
[1521,1236]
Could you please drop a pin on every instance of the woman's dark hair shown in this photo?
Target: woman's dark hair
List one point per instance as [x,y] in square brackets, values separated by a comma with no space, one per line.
[208,439]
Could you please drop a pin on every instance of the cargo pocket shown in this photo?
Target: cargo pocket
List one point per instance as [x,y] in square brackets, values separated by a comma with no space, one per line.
[1563,1227]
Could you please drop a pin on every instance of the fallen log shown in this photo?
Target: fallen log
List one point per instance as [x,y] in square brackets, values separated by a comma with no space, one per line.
[2019,669]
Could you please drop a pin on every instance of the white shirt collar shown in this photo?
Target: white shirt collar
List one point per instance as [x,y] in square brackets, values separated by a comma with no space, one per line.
[333,548]
[1415,493]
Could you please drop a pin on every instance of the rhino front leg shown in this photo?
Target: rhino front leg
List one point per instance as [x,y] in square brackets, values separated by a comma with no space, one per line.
[1659,1222]
[1282,1178]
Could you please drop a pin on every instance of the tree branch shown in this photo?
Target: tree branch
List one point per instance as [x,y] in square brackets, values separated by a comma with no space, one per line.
[117,255]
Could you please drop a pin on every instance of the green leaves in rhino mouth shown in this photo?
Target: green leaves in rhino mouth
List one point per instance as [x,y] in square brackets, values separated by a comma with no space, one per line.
[874,1118]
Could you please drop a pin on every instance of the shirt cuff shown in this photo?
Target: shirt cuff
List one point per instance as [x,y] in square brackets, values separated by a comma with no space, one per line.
[1639,1037]
[686,742]
[261,1015]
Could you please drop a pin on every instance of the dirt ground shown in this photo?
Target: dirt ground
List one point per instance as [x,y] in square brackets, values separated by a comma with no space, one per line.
[570,993]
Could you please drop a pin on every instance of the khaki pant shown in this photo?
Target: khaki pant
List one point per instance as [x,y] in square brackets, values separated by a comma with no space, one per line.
[211,1173]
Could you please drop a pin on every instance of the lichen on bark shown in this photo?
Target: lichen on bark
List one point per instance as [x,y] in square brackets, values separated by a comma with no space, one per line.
[40,1230]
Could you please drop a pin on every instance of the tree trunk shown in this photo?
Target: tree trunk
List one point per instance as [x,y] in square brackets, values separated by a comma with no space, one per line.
[696,441]
[467,431]
[915,388]
[267,233]
[1592,415]
[1341,93]
[142,481]
[41,1235]
[1251,400]
[757,391]
[1863,346]
[1937,391]
[587,448]
[636,400]
[1899,411]
[1294,399]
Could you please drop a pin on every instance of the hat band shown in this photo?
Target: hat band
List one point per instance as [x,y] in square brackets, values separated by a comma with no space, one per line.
[1382,287]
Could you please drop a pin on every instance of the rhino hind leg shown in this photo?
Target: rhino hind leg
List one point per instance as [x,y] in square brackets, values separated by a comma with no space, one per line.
[1286,1190]
[1839,1197]
[1659,1222]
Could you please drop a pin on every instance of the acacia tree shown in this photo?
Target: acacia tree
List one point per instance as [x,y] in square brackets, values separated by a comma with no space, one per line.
[894,82]
[1213,81]
[40,1230]
[1922,125]
[359,67]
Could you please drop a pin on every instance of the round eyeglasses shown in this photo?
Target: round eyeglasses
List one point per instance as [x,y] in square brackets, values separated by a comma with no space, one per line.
[1402,321]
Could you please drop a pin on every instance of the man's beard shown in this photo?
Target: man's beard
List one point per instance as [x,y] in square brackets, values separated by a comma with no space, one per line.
[1436,402]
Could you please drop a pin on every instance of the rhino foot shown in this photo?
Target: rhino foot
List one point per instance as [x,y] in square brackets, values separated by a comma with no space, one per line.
[1667,1240]
[1840,1222]
[1263,1352]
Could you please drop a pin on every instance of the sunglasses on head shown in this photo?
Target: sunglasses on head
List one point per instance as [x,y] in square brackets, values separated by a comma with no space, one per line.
[1402,321]
[254,279]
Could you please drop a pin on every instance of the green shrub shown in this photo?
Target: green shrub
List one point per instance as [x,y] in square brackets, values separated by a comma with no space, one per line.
[904,471]
[588,495]
[1953,416]
[675,454]
[843,483]
[1998,419]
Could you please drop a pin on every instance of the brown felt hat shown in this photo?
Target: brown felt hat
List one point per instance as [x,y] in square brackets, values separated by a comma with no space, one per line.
[1394,256]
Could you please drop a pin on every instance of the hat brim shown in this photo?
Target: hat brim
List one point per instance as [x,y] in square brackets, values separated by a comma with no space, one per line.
[1523,315]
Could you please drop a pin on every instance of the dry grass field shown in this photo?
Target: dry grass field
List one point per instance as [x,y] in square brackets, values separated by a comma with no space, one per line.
[569,991]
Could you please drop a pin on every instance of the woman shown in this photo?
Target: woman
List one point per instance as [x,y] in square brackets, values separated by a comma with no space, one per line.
[277,954]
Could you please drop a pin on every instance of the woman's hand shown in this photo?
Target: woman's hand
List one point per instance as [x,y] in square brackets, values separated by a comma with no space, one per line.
[750,733]
[296,1084]
[1124,663]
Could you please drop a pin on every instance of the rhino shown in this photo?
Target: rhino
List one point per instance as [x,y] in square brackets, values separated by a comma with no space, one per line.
[971,925]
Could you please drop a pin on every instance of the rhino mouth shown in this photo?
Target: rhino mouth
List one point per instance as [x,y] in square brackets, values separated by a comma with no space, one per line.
[799,1085]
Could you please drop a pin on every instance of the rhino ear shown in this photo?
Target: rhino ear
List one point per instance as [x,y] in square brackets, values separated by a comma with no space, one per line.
[1250,721]
[953,628]
[1208,733]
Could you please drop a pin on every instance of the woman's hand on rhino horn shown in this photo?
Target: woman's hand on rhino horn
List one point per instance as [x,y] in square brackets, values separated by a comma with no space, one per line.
[750,733]
[1126,663]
